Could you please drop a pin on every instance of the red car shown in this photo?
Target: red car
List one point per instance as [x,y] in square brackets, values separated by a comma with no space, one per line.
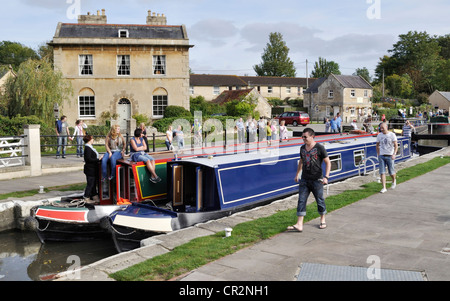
[295,118]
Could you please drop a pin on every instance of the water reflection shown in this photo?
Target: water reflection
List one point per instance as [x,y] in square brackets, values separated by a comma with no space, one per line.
[24,258]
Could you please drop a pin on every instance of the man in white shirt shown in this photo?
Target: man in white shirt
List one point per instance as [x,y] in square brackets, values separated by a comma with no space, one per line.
[386,150]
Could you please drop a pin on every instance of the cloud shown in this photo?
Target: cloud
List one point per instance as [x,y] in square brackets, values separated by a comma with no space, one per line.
[213,31]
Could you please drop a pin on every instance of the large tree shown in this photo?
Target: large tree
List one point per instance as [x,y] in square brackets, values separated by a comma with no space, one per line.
[323,68]
[14,54]
[35,90]
[275,59]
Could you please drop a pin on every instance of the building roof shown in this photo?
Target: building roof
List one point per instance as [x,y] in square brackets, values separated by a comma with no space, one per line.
[216,80]
[352,81]
[77,30]
[235,80]
[445,94]
[347,81]
[229,95]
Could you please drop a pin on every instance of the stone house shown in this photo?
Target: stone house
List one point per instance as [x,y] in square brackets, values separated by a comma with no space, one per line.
[211,85]
[5,73]
[440,100]
[122,69]
[349,95]
[262,105]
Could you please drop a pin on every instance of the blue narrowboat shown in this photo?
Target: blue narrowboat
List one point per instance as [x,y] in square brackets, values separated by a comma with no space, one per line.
[204,188]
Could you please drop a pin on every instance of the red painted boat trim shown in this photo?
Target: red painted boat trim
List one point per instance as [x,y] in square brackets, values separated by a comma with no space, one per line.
[63,215]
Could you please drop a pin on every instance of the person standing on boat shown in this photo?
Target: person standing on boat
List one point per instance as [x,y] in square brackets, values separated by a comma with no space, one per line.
[138,147]
[92,160]
[312,154]
[386,150]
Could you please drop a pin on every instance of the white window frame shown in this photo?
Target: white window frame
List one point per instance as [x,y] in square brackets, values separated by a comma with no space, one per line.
[336,162]
[330,93]
[90,106]
[162,101]
[191,90]
[352,93]
[358,154]
[86,64]
[366,93]
[270,89]
[159,67]
[123,33]
[288,90]
[126,68]
[216,90]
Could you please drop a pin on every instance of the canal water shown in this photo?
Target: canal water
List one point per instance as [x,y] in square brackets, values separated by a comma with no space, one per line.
[24,258]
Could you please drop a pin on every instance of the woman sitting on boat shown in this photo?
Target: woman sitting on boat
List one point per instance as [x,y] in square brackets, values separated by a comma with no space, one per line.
[91,159]
[138,147]
[115,149]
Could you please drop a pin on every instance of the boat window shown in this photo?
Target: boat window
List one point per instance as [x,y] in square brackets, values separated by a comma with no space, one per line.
[399,150]
[336,162]
[132,185]
[358,156]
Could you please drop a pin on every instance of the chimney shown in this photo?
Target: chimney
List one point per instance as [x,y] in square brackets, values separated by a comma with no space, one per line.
[153,19]
[93,19]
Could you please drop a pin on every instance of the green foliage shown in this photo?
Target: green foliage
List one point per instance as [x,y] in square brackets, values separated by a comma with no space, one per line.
[206,107]
[14,54]
[35,90]
[275,59]
[323,68]
[141,118]
[399,86]
[176,111]
[14,126]
[364,73]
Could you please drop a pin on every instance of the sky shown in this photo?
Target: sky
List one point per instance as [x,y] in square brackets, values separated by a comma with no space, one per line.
[229,36]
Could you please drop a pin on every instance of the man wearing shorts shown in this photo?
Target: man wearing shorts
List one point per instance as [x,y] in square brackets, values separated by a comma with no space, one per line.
[386,150]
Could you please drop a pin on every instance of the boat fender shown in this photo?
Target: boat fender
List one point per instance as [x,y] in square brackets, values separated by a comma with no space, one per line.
[31,223]
[104,223]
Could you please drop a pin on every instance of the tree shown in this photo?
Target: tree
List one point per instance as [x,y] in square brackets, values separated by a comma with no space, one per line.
[417,54]
[14,54]
[399,86]
[364,73]
[275,59]
[322,68]
[35,90]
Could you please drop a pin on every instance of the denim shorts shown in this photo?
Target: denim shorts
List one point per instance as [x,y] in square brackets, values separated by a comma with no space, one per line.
[386,161]
[304,189]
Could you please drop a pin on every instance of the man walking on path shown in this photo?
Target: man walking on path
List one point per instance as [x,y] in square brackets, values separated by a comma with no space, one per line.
[312,154]
[386,150]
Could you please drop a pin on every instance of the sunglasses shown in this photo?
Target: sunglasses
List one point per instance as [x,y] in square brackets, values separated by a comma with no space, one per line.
[304,137]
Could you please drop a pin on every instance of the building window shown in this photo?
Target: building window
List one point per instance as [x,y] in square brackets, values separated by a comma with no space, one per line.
[123,65]
[123,33]
[352,111]
[352,93]
[288,90]
[159,105]
[191,90]
[216,90]
[366,93]
[86,64]
[86,105]
[159,64]
[330,93]
[269,89]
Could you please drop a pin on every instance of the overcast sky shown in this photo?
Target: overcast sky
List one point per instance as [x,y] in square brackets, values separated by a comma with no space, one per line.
[230,36]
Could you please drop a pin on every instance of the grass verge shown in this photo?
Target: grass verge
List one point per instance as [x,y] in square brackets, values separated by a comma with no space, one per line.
[203,250]
[21,194]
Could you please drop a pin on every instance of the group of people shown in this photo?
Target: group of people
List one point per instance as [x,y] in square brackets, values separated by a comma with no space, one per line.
[115,146]
[333,125]
[62,134]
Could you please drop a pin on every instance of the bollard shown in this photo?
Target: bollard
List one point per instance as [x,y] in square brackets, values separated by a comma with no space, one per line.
[228,232]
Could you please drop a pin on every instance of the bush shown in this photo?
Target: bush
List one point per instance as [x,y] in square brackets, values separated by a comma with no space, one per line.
[176,111]
[14,126]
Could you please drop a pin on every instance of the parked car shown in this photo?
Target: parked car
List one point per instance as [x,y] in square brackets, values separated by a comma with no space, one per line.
[295,118]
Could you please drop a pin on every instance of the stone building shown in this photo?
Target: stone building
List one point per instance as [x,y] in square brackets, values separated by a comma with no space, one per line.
[440,100]
[262,106]
[122,69]
[212,85]
[349,95]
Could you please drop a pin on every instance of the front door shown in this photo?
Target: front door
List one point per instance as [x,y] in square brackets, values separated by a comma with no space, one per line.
[124,112]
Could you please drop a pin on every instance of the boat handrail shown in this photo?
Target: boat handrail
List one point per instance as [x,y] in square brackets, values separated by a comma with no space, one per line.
[371,159]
